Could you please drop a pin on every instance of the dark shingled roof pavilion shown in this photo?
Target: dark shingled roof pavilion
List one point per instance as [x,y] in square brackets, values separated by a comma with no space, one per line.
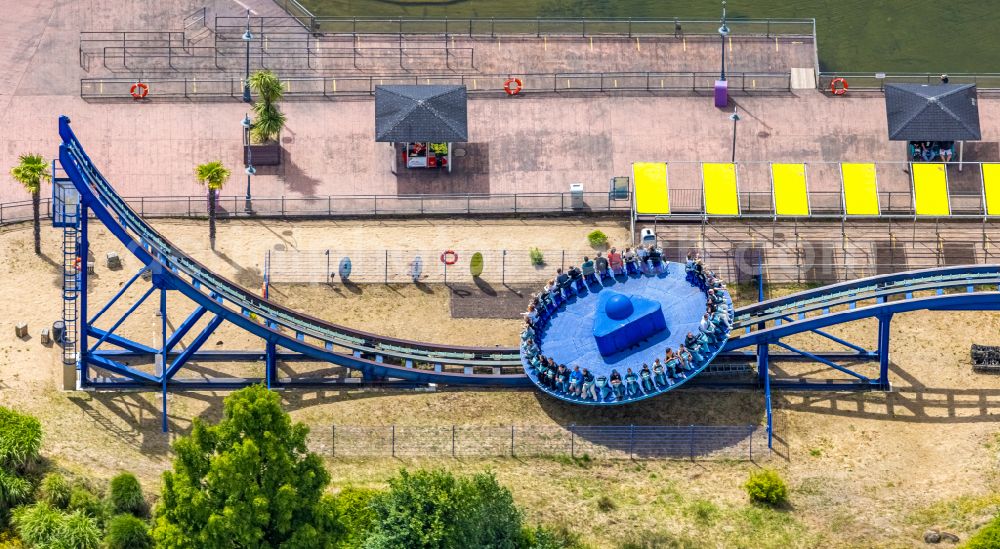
[942,112]
[421,113]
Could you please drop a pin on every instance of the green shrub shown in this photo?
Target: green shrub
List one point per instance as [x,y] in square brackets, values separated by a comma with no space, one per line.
[656,540]
[354,509]
[14,490]
[37,524]
[988,537]
[82,499]
[125,495]
[544,537]
[606,504]
[77,531]
[766,486]
[598,239]
[127,532]
[20,439]
[435,509]
[55,490]
[537,259]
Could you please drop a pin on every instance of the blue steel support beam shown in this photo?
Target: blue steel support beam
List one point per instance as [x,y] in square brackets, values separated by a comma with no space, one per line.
[122,319]
[191,349]
[123,342]
[119,368]
[767,404]
[883,350]
[185,327]
[822,360]
[834,338]
[118,295]
[270,363]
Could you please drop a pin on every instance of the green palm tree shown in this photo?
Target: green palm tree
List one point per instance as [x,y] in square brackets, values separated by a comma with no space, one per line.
[213,175]
[268,119]
[30,171]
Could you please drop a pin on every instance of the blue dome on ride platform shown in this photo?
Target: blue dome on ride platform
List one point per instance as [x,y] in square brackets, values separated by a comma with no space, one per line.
[619,306]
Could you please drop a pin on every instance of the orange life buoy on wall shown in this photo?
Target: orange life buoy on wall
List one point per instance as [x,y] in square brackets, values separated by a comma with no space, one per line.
[838,90]
[513,86]
[139,90]
[449,257]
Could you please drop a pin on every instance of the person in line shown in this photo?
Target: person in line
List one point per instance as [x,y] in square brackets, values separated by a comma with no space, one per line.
[588,386]
[587,268]
[575,381]
[615,262]
[601,266]
[646,377]
[631,383]
[616,385]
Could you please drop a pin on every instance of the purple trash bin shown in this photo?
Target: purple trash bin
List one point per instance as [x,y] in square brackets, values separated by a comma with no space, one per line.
[721,93]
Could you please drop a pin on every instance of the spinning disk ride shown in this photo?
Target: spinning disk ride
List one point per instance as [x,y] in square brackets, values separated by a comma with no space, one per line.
[623,322]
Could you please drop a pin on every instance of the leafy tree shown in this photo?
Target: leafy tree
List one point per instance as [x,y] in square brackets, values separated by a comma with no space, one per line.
[128,532]
[55,491]
[433,509]
[213,175]
[248,481]
[30,171]
[125,494]
[355,512]
[268,119]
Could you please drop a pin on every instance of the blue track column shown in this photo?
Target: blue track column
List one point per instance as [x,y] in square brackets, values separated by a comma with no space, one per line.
[270,363]
[84,252]
[163,341]
[883,351]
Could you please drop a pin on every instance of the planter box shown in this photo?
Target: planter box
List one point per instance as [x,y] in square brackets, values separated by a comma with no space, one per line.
[268,154]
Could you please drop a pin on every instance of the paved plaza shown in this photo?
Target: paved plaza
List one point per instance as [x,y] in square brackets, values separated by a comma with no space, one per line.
[524,144]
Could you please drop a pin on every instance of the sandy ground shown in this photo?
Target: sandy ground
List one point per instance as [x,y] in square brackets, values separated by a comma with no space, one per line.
[865,470]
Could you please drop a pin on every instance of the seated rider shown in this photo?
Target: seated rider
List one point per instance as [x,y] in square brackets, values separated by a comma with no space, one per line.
[615,262]
[562,279]
[658,376]
[588,386]
[646,377]
[562,381]
[631,384]
[575,381]
[672,364]
[616,384]
[601,385]
[601,265]
[587,268]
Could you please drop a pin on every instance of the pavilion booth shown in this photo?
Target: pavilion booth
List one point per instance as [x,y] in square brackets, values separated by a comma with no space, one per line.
[421,124]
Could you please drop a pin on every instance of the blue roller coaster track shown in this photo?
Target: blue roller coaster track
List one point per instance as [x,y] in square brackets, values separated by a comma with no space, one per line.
[288,335]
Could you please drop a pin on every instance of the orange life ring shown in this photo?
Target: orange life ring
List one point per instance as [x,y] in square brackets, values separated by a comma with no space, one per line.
[78,263]
[139,90]
[513,86]
[449,257]
[838,90]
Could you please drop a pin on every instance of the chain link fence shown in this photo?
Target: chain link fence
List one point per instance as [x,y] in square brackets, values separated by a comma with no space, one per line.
[399,266]
[705,442]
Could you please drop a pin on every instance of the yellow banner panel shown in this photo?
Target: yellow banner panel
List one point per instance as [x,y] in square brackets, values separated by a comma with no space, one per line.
[721,194]
[789,188]
[651,194]
[860,189]
[930,189]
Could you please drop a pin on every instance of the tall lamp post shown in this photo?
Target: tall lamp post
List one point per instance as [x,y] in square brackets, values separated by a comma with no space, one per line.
[250,170]
[721,85]
[247,37]
[735,118]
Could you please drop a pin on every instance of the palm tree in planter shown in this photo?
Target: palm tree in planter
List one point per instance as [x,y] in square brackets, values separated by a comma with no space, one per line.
[213,175]
[265,149]
[29,172]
